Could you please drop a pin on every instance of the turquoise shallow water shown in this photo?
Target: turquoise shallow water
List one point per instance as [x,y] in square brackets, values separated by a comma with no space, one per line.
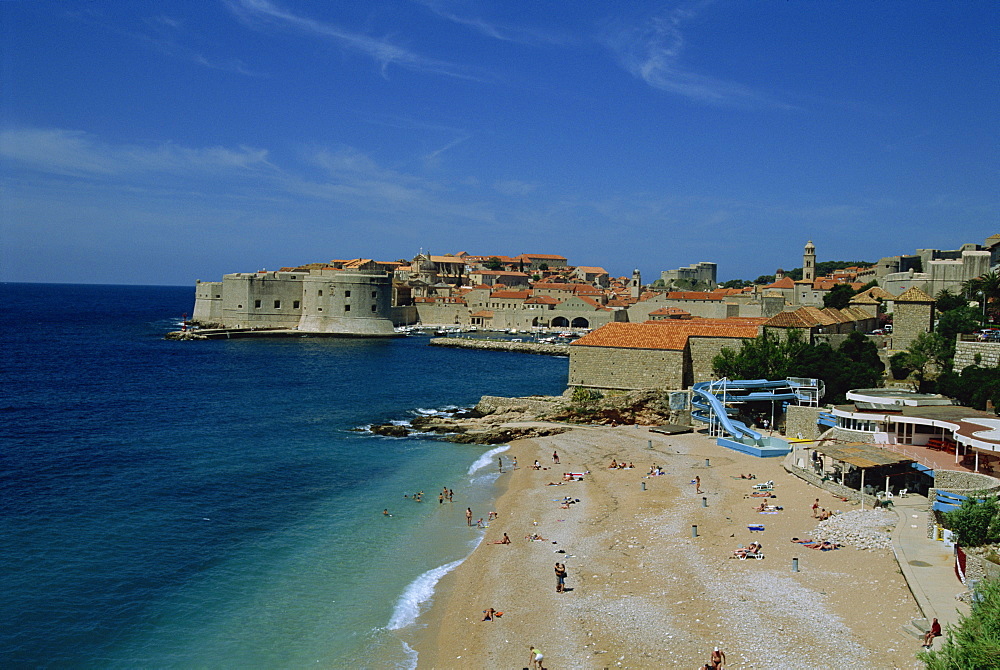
[206,504]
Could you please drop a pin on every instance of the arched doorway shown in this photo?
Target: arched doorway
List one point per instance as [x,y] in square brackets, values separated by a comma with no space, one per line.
[580,322]
[560,322]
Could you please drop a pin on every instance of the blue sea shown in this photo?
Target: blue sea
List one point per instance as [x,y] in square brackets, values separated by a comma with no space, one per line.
[211,503]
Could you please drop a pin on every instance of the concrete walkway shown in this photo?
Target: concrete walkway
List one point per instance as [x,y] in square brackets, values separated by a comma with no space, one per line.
[928,565]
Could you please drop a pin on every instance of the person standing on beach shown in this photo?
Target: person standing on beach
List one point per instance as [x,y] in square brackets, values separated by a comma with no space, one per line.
[468,515]
[440,498]
[515,462]
[697,484]
[555,457]
[815,507]
[536,657]
[560,578]
[500,463]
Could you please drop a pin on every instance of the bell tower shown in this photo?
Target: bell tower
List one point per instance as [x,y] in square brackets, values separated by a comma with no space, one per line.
[809,262]
[635,285]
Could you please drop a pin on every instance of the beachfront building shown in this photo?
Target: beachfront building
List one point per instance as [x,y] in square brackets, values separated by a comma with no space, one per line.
[668,354]
[921,427]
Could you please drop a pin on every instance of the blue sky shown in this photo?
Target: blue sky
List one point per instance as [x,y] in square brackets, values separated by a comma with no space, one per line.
[161,142]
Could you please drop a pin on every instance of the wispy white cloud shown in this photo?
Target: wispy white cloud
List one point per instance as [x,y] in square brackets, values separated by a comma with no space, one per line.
[652,52]
[257,13]
[494,30]
[75,153]
[514,187]
[166,35]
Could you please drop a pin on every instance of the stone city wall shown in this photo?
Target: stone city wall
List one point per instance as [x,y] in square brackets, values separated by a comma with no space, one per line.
[967,352]
[702,351]
[626,369]
[965,483]
[800,422]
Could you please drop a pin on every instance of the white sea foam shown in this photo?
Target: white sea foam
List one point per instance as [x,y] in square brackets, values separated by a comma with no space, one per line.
[447,410]
[487,458]
[416,594]
[411,658]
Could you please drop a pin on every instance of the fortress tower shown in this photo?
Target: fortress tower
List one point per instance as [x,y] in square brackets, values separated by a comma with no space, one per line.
[809,262]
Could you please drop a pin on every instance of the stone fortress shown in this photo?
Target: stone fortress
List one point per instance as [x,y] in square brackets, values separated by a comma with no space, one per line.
[321,301]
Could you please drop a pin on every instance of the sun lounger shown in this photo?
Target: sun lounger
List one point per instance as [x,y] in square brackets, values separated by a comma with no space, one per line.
[755,527]
[766,486]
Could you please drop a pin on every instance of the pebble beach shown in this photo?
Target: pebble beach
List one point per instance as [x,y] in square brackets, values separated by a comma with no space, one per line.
[647,590]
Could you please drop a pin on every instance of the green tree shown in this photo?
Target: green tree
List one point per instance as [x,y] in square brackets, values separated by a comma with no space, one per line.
[976,522]
[764,279]
[960,320]
[899,365]
[736,283]
[947,300]
[927,356]
[839,296]
[974,642]
[972,387]
[493,263]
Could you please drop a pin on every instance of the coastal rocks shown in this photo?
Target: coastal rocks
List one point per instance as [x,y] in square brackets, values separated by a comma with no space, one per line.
[390,430]
[505,434]
[861,529]
[647,408]
[492,421]
[184,335]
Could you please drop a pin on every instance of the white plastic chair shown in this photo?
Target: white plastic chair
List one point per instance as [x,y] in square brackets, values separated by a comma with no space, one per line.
[888,494]
[902,493]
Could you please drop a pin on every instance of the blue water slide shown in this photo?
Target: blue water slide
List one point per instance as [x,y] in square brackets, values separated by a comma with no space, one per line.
[709,404]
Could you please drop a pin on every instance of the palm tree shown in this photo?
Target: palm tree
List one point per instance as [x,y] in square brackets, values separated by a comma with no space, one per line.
[987,288]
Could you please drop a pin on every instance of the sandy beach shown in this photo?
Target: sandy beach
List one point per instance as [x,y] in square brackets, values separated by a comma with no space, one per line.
[642,592]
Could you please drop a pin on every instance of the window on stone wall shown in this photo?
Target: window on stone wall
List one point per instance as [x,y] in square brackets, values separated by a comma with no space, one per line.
[374,308]
[374,294]
[295,304]
[347,308]
[320,293]
[347,294]
[256,304]
[277,304]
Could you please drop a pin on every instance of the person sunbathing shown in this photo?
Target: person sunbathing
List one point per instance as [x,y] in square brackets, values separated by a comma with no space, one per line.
[491,614]
[505,540]
[754,549]
[535,537]
[614,464]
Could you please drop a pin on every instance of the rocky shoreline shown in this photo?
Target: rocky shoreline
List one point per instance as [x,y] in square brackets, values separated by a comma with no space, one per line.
[497,420]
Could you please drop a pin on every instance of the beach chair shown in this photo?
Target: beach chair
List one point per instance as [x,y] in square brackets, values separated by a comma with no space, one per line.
[755,527]
[755,555]
[902,493]
[766,486]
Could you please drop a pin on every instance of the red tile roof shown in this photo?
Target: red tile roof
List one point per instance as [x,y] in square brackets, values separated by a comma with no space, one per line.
[511,295]
[541,300]
[670,335]
[693,295]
